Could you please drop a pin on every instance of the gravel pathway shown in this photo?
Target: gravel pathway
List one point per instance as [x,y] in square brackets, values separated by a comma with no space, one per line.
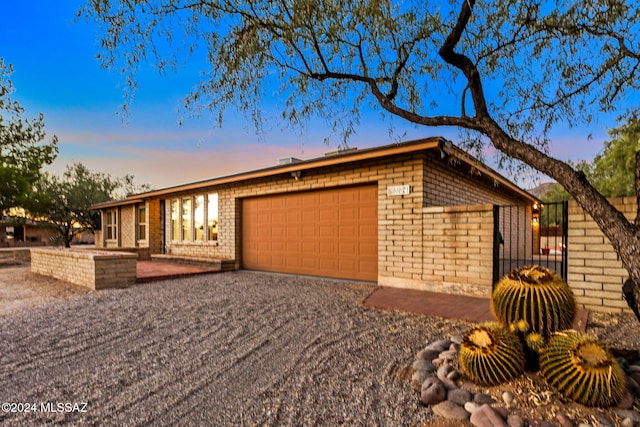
[228,349]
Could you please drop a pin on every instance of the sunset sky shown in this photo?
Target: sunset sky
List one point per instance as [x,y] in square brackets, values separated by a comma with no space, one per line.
[57,74]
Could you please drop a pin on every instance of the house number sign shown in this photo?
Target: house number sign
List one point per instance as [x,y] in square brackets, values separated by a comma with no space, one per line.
[398,190]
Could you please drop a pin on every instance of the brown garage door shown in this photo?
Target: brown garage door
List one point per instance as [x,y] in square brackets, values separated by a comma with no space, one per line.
[331,233]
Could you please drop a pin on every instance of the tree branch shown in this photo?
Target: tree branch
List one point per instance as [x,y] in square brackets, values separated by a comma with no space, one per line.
[462,62]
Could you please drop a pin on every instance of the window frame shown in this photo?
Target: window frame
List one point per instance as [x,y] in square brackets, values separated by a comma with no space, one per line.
[111,224]
[182,218]
[141,222]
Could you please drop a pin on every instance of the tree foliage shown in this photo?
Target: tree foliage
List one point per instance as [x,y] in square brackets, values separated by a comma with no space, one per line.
[63,202]
[612,171]
[23,151]
[505,71]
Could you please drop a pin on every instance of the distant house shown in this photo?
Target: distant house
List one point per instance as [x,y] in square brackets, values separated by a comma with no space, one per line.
[21,232]
[411,214]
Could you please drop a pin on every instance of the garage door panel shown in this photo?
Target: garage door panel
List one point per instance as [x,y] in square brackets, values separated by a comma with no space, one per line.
[326,233]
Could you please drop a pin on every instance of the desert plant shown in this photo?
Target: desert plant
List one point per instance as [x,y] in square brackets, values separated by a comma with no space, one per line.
[490,354]
[582,369]
[536,295]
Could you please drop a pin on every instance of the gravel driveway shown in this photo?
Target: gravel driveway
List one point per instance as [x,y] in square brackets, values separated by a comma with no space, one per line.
[230,349]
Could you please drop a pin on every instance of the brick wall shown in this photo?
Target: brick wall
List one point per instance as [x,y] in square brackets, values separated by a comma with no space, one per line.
[594,272]
[92,269]
[457,252]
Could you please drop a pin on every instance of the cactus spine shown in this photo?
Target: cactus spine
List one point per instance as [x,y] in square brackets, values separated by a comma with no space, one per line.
[536,295]
[582,370]
[490,354]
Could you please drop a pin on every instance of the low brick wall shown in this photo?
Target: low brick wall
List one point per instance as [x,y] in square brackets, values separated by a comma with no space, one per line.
[90,268]
[18,255]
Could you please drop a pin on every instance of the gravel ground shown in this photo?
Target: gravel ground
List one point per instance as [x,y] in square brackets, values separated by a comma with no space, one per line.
[235,349]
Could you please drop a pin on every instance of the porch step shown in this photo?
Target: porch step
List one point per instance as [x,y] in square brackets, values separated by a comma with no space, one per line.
[214,263]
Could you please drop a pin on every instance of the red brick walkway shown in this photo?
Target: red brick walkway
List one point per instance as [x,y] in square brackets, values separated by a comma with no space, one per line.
[152,271]
[448,306]
[461,307]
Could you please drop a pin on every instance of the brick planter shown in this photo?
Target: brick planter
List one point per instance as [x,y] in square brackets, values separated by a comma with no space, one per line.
[90,268]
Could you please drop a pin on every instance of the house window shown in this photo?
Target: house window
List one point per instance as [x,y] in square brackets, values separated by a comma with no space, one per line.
[198,217]
[189,216]
[142,222]
[111,225]
[212,216]
[186,219]
[175,220]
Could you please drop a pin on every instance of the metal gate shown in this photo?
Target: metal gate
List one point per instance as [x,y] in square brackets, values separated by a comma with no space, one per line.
[525,235]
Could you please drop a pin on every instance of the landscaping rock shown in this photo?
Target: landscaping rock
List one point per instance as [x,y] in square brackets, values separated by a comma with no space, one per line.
[635,377]
[442,373]
[470,407]
[457,339]
[449,355]
[418,378]
[460,396]
[482,398]
[632,415]
[504,412]
[440,345]
[626,402]
[427,354]
[627,422]
[603,421]
[450,411]
[432,391]
[515,420]
[564,420]
[507,397]
[539,423]
[423,365]
[486,416]
[454,375]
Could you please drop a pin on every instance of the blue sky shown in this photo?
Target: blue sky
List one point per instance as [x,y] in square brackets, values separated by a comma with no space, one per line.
[57,74]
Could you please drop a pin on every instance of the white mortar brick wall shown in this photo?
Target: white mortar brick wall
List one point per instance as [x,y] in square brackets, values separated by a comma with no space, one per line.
[92,269]
[458,242]
[594,270]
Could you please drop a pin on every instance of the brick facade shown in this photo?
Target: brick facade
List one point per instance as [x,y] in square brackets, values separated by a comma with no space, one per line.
[403,233]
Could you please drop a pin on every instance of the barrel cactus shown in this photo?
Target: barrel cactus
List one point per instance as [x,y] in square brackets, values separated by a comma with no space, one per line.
[490,354]
[536,295]
[582,369]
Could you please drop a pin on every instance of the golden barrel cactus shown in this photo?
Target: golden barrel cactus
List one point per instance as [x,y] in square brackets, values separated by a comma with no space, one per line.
[490,354]
[536,295]
[582,369]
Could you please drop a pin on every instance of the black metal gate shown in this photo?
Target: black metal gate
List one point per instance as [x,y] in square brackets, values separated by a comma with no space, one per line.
[525,235]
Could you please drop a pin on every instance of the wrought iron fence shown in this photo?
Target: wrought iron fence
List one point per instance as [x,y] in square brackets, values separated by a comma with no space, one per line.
[525,235]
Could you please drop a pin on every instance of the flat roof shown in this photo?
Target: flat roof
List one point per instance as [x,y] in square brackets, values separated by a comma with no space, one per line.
[331,159]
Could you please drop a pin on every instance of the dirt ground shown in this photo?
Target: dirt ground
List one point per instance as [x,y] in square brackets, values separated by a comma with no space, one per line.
[20,289]
[229,349]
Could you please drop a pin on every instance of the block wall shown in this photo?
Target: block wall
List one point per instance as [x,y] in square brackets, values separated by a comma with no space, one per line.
[457,252]
[92,269]
[594,271]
